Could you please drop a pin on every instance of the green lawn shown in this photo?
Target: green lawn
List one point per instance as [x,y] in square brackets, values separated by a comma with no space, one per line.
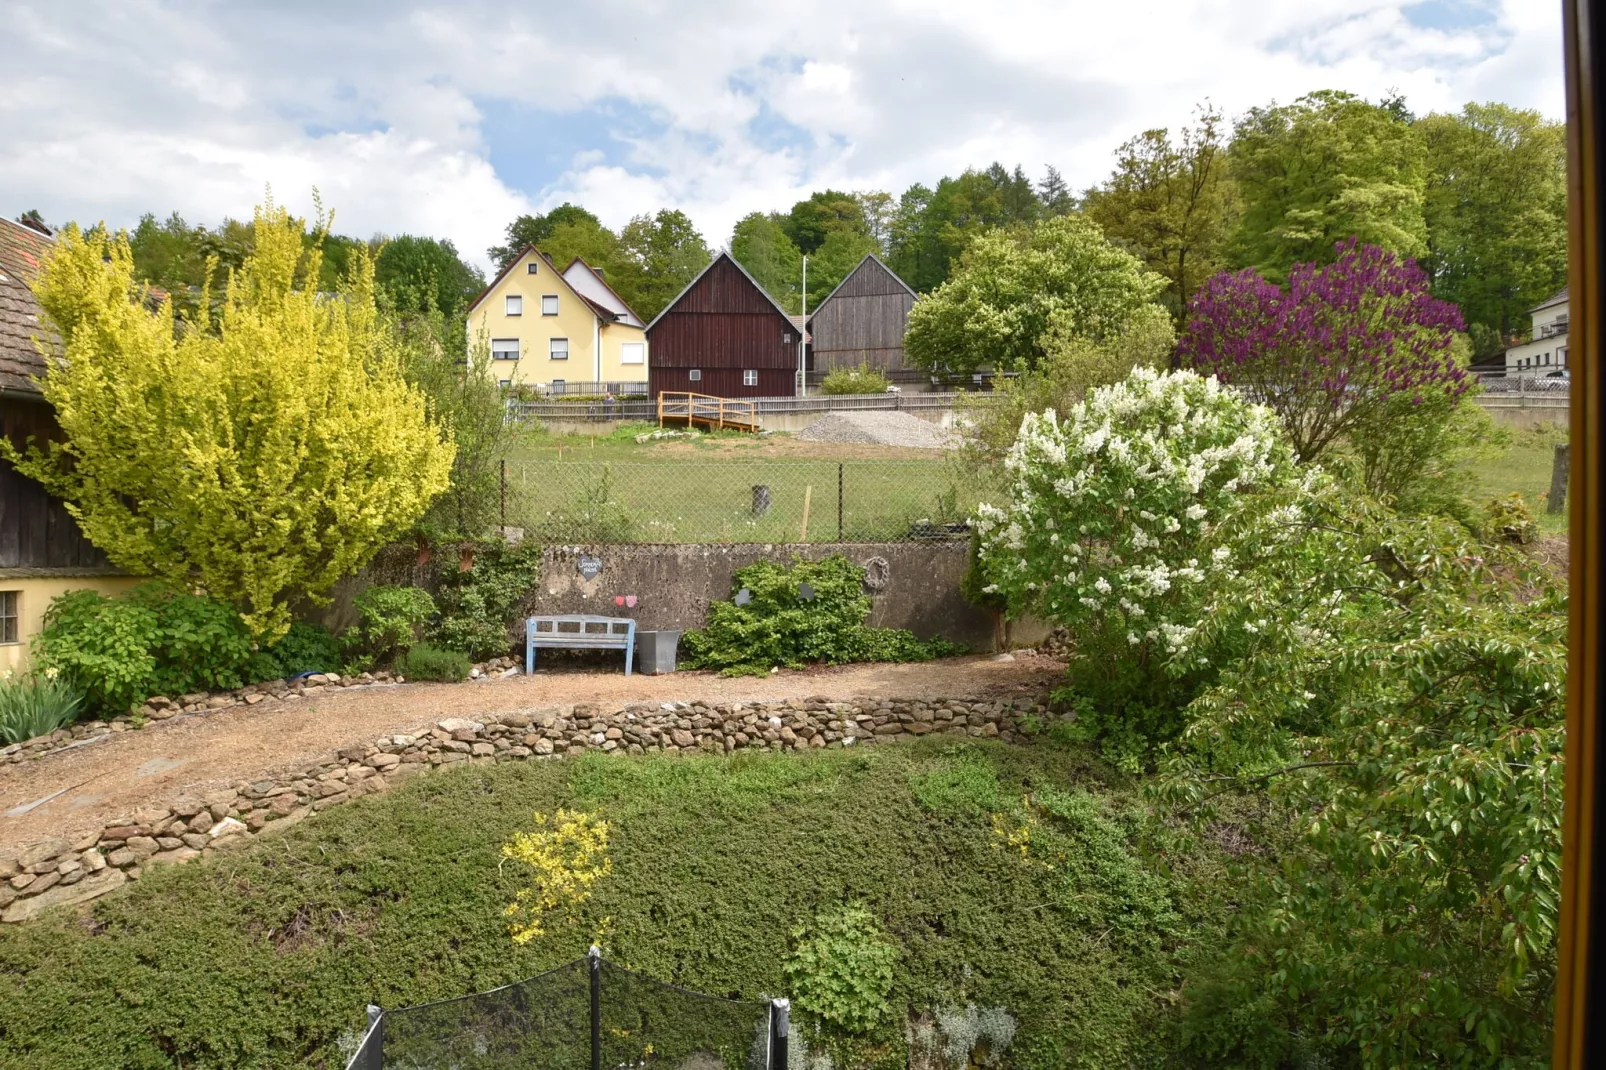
[1524,468]
[575,489]
[266,956]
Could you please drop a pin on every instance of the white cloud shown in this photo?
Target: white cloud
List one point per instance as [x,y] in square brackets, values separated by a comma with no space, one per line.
[714,106]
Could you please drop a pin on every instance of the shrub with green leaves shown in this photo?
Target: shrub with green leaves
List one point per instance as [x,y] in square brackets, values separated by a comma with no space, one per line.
[425,661]
[478,606]
[860,380]
[390,619]
[841,968]
[36,704]
[1510,519]
[153,640]
[778,626]
[305,647]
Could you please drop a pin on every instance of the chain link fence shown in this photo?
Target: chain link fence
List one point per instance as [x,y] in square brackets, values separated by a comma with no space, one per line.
[587,1013]
[581,500]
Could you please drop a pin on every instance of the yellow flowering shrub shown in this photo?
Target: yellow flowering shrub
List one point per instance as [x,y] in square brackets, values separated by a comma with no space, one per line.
[259,452]
[567,855]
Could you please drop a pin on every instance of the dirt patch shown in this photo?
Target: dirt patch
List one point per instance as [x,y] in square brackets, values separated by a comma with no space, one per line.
[193,755]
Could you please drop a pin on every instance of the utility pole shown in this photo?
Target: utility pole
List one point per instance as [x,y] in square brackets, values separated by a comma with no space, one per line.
[802,334]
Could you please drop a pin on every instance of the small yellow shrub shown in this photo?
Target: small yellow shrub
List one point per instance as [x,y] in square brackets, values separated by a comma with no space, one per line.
[568,854]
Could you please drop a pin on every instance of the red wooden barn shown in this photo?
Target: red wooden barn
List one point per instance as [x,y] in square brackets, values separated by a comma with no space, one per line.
[723,336]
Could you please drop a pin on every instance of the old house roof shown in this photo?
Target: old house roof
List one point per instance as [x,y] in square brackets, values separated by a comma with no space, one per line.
[721,255]
[860,266]
[21,249]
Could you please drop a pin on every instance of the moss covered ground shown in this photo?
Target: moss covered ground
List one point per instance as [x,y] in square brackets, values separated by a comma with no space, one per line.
[1030,879]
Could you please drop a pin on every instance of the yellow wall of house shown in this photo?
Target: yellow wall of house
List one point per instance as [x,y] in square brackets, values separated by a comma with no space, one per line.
[575,321]
[614,336]
[34,597]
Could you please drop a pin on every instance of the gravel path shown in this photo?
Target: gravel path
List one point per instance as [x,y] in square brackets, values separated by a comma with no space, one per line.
[192,755]
[881,428]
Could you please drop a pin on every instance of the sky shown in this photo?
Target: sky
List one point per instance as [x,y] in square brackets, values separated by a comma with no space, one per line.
[450,119]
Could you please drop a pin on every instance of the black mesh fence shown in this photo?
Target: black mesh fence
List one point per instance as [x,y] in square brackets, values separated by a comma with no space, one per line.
[586,1014]
[582,500]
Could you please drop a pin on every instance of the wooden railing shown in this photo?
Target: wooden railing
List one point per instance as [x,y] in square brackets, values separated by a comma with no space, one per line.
[707,410]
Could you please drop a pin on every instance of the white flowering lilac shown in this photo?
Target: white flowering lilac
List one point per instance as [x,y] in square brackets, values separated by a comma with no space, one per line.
[1134,471]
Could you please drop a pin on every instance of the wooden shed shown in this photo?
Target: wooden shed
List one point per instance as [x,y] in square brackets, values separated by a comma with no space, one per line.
[862,320]
[725,336]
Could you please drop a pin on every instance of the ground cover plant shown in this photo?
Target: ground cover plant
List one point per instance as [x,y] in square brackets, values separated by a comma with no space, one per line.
[267,955]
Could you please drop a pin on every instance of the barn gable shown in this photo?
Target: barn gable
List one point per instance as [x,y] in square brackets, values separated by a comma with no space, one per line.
[863,320]
[724,327]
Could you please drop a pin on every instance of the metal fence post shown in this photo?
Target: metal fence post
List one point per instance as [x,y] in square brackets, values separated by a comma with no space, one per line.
[780,1023]
[595,957]
[839,501]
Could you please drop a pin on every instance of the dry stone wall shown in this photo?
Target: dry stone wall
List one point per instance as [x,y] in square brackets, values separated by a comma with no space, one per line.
[63,871]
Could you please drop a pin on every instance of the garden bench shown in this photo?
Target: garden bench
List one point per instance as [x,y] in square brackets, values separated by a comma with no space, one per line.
[577,631]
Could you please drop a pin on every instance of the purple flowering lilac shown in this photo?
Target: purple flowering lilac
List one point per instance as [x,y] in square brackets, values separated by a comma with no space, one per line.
[1343,341]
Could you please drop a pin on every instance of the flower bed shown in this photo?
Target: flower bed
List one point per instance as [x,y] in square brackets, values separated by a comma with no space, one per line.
[63,871]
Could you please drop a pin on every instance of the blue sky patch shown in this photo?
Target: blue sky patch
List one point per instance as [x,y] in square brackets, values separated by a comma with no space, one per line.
[531,146]
[1449,14]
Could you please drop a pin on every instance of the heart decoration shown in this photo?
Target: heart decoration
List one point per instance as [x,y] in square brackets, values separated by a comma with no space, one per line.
[618,599]
[630,600]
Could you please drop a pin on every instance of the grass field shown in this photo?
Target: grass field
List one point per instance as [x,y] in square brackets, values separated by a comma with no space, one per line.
[266,956]
[1524,468]
[576,489]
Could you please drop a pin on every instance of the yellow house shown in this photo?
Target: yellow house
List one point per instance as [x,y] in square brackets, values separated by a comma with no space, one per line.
[559,331]
[42,553]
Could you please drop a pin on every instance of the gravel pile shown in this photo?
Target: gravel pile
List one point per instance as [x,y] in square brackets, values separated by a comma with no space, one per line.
[879,429]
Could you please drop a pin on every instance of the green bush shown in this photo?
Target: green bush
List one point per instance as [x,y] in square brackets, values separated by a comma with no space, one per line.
[779,627]
[841,968]
[424,661]
[1510,519]
[477,606]
[36,705]
[305,647]
[153,640]
[861,380]
[390,619]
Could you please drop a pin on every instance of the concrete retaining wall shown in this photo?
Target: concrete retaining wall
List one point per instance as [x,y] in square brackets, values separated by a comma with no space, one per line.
[1525,413]
[674,583]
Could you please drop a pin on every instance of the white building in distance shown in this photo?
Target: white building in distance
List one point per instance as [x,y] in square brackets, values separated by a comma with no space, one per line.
[1546,352]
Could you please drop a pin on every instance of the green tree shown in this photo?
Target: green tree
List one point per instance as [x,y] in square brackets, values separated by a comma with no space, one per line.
[1327,167]
[825,212]
[529,230]
[591,242]
[1055,194]
[834,260]
[1496,211]
[1018,286]
[932,227]
[878,210]
[1171,203]
[761,245]
[665,253]
[259,457]
[418,273]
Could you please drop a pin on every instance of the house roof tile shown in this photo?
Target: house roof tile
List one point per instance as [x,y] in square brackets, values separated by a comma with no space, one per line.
[21,249]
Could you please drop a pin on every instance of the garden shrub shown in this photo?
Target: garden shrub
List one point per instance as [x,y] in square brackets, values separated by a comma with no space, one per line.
[478,606]
[841,968]
[390,619]
[860,380]
[305,647]
[153,640]
[779,627]
[567,856]
[1126,519]
[1511,519]
[425,661]
[36,704]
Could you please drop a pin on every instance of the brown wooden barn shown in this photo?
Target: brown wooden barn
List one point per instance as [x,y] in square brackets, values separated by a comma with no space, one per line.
[42,552]
[862,320]
[723,336]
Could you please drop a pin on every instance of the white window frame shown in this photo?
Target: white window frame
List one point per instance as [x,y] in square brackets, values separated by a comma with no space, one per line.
[545,298]
[750,377]
[504,354]
[513,305]
[552,349]
[694,375]
[627,348]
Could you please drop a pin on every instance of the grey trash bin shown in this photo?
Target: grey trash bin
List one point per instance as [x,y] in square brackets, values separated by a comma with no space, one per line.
[655,652]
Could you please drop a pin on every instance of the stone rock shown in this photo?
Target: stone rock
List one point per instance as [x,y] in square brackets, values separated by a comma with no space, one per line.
[452,725]
[383,761]
[93,861]
[177,854]
[483,750]
[227,827]
[200,822]
[9,868]
[542,745]
[281,805]
[218,702]
[187,808]
[196,840]
[122,857]
[44,882]
[683,738]
[43,850]
[91,887]
[142,846]
[21,880]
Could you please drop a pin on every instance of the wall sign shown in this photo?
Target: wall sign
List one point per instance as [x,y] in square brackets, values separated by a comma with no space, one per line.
[589,567]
